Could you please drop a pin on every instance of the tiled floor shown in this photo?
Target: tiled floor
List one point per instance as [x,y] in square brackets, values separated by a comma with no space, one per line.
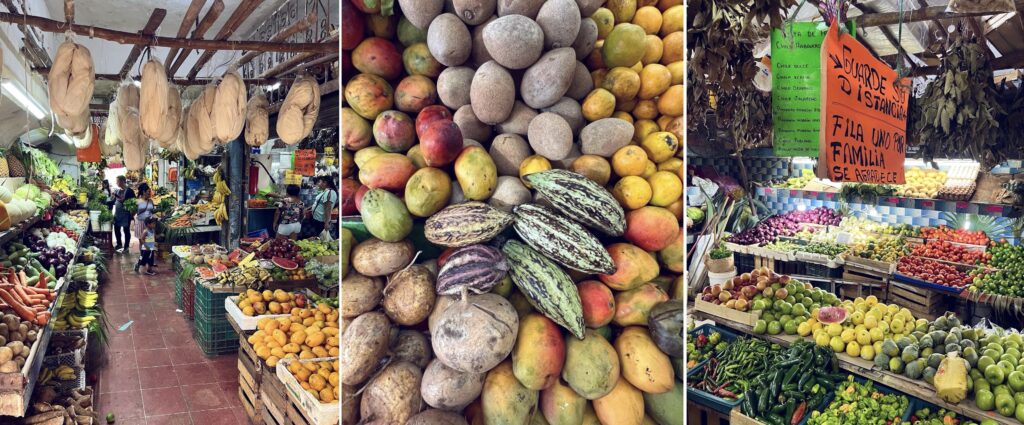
[156,374]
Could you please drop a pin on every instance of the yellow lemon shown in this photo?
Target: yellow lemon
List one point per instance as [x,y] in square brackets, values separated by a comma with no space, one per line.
[853,349]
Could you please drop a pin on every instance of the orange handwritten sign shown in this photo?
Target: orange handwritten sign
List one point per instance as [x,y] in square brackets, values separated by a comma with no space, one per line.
[305,162]
[863,115]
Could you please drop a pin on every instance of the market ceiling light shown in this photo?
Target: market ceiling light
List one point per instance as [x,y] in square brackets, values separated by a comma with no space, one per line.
[19,96]
[274,86]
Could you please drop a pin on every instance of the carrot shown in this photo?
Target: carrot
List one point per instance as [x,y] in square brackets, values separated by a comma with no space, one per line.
[20,294]
[20,309]
[23,278]
[41,284]
[12,276]
[42,318]
[38,308]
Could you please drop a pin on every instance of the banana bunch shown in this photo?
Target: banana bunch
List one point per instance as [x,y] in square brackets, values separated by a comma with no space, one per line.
[79,322]
[62,373]
[219,196]
[252,277]
[87,299]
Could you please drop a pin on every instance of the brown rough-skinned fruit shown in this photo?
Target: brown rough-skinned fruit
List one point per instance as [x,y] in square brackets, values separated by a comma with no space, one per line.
[527,8]
[581,84]
[518,122]
[448,389]
[421,12]
[547,80]
[449,40]
[585,39]
[474,12]
[393,396]
[508,151]
[550,136]
[492,93]
[453,86]
[560,20]
[514,41]
[470,125]
[571,111]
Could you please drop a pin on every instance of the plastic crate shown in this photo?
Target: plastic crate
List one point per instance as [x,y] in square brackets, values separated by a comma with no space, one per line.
[820,270]
[209,312]
[188,295]
[880,388]
[178,293]
[66,386]
[744,262]
[709,400]
[219,342]
[707,329]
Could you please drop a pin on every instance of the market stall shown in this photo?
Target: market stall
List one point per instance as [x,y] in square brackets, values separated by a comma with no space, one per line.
[511,201]
[863,204]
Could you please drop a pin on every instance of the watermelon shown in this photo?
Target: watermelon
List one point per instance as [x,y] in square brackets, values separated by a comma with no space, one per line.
[284,263]
[831,315]
[217,268]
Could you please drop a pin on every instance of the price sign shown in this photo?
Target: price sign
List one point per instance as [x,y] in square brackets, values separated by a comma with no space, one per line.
[864,108]
[305,162]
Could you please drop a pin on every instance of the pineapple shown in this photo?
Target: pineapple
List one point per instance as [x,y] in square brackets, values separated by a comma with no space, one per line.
[4,168]
[14,166]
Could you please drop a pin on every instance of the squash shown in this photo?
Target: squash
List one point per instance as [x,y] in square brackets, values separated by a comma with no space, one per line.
[5,194]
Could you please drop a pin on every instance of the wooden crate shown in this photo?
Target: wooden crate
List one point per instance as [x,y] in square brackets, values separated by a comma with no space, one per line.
[249,390]
[246,350]
[746,318]
[697,414]
[864,283]
[923,302]
[738,418]
[275,400]
[296,416]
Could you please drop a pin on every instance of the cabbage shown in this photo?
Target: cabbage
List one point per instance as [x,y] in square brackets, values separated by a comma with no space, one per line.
[27,192]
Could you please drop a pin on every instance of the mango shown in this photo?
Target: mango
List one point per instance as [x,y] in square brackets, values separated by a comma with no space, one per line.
[624,46]
[590,416]
[441,143]
[560,405]
[672,255]
[369,95]
[429,115]
[664,407]
[418,61]
[591,365]
[634,267]
[598,303]
[539,352]
[394,131]
[385,215]
[415,154]
[355,133]
[504,400]
[379,57]
[427,191]
[651,228]
[624,405]
[414,93]
[347,242]
[643,364]
[389,171]
[476,173]
[634,306]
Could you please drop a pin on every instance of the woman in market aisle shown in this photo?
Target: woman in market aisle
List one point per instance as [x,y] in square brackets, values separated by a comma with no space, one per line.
[147,246]
[324,202]
[122,218]
[145,211]
[289,212]
[107,193]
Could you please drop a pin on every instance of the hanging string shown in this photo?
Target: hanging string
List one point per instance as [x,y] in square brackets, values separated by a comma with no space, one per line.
[790,21]
[901,71]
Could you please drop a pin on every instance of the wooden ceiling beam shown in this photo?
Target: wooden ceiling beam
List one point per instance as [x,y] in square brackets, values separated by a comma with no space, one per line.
[69,11]
[1010,61]
[31,48]
[281,36]
[179,81]
[923,14]
[288,66]
[245,8]
[979,30]
[191,15]
[155,19]
[204,25]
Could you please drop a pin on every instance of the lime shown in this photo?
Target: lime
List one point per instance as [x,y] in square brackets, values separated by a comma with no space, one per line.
[760,327]
[774,327]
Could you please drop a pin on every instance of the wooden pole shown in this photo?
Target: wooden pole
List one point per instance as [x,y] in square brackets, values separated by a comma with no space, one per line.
[283,67]
[245,8]
[204,25]
[923,14]
[35,53]
[122,37]
[154,22]
[69,11]
[179,81]
[281,36]
[186,23]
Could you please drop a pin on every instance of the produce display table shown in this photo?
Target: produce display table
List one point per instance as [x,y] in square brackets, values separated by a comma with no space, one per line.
[919,389]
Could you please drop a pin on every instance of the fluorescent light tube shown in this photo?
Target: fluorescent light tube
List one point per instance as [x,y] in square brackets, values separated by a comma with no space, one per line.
[22,99]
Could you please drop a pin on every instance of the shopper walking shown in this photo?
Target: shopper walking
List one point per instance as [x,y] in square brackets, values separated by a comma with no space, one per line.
[288,217]
[147,246]
[122,218]
[323,204]
[145,211]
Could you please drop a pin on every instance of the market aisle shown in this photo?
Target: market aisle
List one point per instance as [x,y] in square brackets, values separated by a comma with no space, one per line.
[156,373]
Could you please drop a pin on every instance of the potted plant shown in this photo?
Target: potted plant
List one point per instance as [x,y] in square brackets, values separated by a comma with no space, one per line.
[720,259]
[106,219]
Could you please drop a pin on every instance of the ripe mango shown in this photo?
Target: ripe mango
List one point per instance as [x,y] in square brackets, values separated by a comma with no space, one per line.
[643,364]
[539,352]
[591,365]
[504,399]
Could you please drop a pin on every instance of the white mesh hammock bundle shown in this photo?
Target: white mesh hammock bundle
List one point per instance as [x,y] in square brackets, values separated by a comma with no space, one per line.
[298,113]
[70,86]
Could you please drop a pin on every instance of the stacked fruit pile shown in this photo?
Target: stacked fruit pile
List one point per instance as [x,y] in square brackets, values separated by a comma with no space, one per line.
[932,271]
[945,233]
[889,249]
[869,324]
[921,183]
[1008,261]
[946,251]
[309,333]
[473,121]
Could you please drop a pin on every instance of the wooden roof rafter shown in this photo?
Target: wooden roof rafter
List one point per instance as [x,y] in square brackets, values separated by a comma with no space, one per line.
[204,25]
[922,14]
[154,22]
[242,12]
[191,17]
[177,81]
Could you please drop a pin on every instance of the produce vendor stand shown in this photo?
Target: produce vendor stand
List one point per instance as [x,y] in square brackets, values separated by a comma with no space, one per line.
[918,389]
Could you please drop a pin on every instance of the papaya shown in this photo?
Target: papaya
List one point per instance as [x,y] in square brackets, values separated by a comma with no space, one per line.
[591,365]
[539,352]
[504,400]
[643,364]
[624,405]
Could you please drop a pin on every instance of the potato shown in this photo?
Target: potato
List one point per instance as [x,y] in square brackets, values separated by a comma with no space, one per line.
[448,389]
[412,347]
[360,294]
[6,354]
[436,417]
[9,366]
[476,334]
[409,295]
[366,341]
[393,396]
[375,257]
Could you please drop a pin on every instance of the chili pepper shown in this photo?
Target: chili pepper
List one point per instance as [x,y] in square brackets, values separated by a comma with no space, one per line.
[789,375]
[800,383]
[790,405]
[798,414]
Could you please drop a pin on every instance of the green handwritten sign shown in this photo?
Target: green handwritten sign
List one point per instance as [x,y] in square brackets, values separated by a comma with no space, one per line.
[796,87]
